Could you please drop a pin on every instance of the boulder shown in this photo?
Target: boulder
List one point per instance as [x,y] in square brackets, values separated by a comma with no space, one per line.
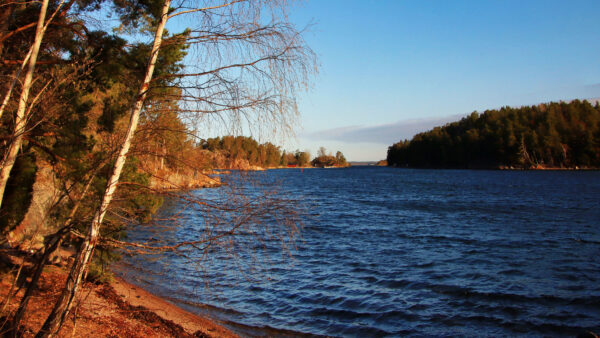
[29,234]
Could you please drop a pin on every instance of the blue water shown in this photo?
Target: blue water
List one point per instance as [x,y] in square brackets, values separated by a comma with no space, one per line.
[399,252]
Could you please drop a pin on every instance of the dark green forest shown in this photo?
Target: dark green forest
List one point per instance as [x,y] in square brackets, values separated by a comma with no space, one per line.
[550,135]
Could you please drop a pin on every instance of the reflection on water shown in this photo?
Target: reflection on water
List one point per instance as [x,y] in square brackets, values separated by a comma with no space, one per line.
[399,252]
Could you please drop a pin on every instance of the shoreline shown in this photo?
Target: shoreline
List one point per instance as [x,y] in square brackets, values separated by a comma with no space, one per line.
[192,323]
[228,171]
[203,317]
[499,168]
[113,309]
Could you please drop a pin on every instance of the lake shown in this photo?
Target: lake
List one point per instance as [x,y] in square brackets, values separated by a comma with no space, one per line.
[396,252]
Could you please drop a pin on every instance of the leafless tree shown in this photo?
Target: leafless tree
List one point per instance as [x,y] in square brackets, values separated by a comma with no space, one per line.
[247,64]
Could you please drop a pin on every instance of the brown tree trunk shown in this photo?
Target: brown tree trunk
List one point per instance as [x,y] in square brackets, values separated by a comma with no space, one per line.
[65,302]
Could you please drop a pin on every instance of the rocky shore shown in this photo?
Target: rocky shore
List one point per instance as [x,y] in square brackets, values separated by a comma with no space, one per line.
[169,180]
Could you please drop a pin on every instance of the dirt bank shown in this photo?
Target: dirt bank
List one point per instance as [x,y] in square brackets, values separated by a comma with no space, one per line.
[117,309]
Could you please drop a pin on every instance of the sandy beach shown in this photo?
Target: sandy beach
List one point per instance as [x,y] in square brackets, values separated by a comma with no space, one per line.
[117,309]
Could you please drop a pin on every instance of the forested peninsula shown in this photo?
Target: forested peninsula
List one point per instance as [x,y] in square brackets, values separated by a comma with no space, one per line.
[545,136]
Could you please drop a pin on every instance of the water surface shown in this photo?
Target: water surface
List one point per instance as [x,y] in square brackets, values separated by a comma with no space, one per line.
[409,252]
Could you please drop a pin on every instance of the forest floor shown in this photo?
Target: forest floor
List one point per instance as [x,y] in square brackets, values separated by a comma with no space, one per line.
[116,309]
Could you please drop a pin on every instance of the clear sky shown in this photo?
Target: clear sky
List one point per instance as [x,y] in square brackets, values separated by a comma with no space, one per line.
[391,68]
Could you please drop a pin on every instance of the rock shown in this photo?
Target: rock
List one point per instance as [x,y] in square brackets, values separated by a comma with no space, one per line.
[167,180]
[29,235]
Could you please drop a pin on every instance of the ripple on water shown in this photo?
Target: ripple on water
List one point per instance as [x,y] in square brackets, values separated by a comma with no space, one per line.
[390,252]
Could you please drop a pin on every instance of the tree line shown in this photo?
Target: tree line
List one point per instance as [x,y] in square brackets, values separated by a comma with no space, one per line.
[243,152]
[99,110]
[550,135]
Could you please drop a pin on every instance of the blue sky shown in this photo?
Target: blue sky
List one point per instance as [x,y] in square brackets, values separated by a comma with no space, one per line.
[390,67]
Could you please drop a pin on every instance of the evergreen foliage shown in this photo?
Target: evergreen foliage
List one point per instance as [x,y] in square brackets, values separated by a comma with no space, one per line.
[96,116]
[552,135]
[325,159]
[18,192]
[238,152]
[90,78]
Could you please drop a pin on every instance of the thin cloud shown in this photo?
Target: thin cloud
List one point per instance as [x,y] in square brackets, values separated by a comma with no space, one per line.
[393,132]
[382,134]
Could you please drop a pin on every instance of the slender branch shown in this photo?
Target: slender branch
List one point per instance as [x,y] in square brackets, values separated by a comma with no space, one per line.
[205,8]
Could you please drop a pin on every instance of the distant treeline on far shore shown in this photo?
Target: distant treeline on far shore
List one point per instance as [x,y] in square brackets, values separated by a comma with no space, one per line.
[550,135]
[242,152]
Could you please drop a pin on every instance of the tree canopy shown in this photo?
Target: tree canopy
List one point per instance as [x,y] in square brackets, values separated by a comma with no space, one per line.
[101,111]
[326,159]
[551,135]
[240,152]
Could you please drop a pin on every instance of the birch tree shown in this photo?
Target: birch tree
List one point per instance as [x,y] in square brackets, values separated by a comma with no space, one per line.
[247,68]
[63,305]
[20,118]
[35,80]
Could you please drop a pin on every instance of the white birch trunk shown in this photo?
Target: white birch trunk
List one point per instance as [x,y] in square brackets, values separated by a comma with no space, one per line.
[21,119]
[63,305]
[14,81]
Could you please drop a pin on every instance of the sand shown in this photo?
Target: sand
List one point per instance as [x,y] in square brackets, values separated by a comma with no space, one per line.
[116,309]
[137,296]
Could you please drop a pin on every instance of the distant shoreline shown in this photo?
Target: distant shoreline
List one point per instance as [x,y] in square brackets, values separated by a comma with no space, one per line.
[226,171]
[502,168]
